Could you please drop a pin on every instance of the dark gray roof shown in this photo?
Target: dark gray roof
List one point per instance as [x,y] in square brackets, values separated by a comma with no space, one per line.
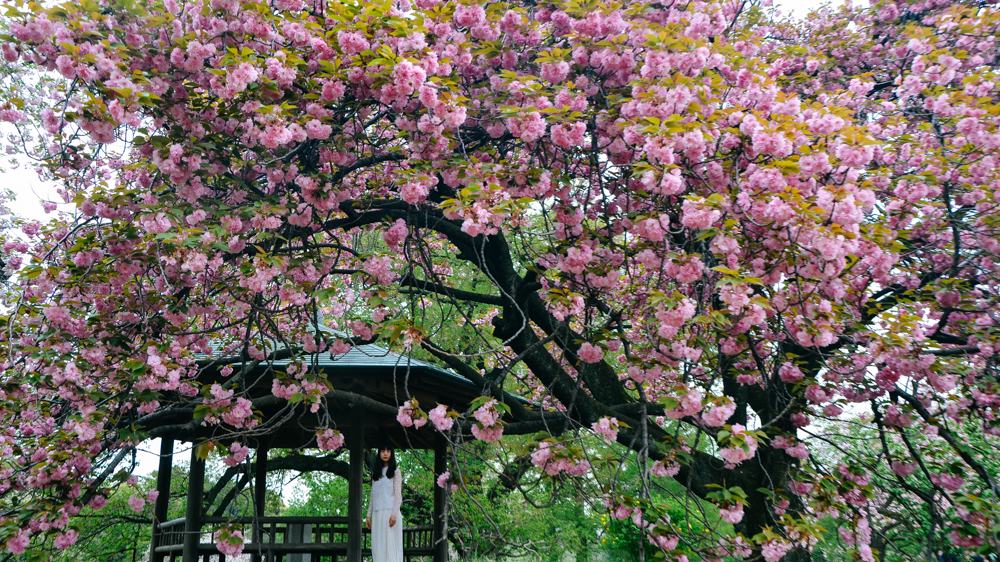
[371,356]
[366,357]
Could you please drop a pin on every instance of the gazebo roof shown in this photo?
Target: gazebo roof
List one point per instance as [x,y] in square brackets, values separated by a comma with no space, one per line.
[369,378]
[371,356]
[369,384]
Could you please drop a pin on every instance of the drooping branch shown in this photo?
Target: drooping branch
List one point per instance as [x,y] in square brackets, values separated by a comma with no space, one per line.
[458,294]
[961,449]
[300,463]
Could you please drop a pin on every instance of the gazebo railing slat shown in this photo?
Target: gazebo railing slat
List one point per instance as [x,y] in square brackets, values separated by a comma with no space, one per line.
[284,536]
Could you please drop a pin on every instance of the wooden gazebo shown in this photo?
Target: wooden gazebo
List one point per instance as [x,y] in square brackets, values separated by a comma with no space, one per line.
[370,383]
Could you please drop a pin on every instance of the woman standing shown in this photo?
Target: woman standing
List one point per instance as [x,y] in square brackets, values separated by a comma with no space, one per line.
[384,518]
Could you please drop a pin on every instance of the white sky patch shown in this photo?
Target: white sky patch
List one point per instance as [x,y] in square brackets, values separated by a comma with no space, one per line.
[30,192]
[801,8]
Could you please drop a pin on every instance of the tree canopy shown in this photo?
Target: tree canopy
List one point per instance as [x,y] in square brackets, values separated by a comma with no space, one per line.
[696,229]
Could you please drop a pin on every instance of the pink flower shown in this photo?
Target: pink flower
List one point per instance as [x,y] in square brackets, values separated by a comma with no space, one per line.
[381,269]
[18,543]
[529,128]
[855,156]
[662,470]
[576,259]
[743,446]
[689,404]
[589,353]
[554,72]
[352,42]
[667,543]
[670,183]
[410,415]
[826,124]
[330,440]
[315,129]
[137,503]
[408,77]
[66,539]
[774,549]
[948,481]
[776,144]
[488,434]
[487,414]
[229,543]
[832,410]
[957,539]
[733,514]
[622,512]
[444,481]
[237,454]
[718,415]
[488,427]
[606,427]
[439,417]
[98,502]
[58,315]
[799,451]
[790,373]
[333,90]
[696,216]
[415,192]
[903,469]
[237,80]
[396,233]
[340,347]
[816,394]
[541,455]
[469,16]
[569,135]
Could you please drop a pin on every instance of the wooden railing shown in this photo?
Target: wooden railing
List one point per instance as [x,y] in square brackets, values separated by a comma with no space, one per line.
[286,539]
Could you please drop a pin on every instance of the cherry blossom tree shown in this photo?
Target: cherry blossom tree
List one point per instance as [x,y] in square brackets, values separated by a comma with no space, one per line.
[693,228]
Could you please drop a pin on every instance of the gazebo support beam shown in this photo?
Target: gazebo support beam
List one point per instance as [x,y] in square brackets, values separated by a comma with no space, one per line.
[440,499]
[192,515]
[259,495]
[163,499]
[355,487]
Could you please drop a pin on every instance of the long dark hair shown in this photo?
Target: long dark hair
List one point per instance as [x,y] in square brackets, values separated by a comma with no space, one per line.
[377,472]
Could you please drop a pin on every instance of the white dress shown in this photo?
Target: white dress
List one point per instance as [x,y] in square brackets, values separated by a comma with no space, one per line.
[387,495]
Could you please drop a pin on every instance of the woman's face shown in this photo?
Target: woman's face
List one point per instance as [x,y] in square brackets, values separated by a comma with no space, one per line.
[385,455]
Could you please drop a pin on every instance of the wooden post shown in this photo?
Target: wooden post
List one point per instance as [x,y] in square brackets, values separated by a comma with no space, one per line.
[440,537]
[259,496]
[355,486]
[195,498]
[163,499]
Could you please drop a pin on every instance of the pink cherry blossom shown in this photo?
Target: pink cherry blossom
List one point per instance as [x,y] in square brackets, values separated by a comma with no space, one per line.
[607,428]
[137,503]
[410,415]
[229,543]
[439,417]
[732,514]
[330,440]
[718,414]
[18,543]
[590,353]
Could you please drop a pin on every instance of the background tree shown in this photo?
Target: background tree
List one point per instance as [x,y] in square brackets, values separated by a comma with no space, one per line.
[686,227]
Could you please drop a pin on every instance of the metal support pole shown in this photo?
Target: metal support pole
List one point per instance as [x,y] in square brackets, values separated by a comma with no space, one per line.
[195,498]
[355,486]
